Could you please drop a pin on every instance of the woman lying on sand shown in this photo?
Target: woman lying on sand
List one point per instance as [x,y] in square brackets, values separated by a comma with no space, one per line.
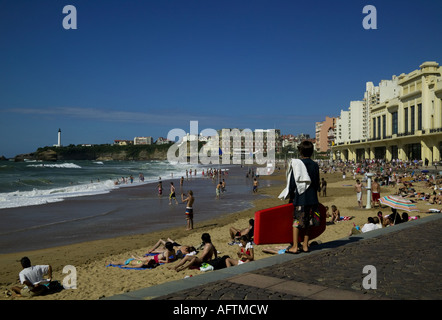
[180,252]
[166,256]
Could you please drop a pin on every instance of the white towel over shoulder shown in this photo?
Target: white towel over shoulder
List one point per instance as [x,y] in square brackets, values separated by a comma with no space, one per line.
[302,179]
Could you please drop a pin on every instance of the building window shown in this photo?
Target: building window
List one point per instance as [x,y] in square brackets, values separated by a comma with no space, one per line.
[419,116]
[413,117]
[374,128]
[379,127]
[406,120]
[394,127]
[384,126]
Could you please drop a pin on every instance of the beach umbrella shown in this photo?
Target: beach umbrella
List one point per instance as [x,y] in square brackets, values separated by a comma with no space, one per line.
[399,203]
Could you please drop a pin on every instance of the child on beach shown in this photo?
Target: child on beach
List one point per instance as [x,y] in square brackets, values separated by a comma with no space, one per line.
[189,208]
[336,215]
[245,253]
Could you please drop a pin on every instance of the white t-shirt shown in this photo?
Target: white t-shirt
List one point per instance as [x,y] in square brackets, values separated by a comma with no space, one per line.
[368,227]
[33,274]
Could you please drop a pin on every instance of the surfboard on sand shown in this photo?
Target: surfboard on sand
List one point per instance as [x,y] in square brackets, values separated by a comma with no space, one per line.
[274,225]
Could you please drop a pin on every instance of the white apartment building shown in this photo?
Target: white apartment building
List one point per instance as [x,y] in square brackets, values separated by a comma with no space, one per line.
[355,123]
[373,95]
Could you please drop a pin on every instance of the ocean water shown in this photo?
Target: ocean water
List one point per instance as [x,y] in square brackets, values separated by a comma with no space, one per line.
[34,182]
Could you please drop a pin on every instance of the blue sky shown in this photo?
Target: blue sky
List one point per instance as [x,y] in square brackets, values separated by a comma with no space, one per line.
[144,67]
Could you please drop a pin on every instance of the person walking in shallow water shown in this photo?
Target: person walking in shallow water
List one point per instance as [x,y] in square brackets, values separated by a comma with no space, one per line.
[189,208]
[172,194]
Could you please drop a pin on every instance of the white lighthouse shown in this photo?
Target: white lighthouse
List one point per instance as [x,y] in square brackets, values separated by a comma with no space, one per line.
[59,138]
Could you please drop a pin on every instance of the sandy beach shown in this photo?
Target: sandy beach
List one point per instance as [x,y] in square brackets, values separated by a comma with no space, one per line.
[95,280]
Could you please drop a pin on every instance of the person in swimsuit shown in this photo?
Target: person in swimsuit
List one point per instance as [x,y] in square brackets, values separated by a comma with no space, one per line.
[235,233]
[189,208]
[218,190]
[166,256]
[181,251]
[245,253]
[172,194]
[160,188]
[358,188]
[255,185]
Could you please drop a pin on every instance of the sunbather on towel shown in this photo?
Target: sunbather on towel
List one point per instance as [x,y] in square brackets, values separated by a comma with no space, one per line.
[166,256]
[181,251]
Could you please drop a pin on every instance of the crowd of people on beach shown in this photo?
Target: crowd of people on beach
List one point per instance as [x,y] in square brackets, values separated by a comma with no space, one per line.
[398,176]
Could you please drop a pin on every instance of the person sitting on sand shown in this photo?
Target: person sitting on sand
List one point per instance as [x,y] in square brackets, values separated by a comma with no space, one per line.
[387,221]
[369,226]
[32,279]
[245,253]
[209,252]
[236,233]
[336,215]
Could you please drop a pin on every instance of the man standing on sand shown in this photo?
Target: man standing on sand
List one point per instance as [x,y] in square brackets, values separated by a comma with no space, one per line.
[358,189]
[305,199]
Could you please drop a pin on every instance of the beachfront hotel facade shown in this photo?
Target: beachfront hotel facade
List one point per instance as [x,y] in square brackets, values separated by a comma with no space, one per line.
[405,124]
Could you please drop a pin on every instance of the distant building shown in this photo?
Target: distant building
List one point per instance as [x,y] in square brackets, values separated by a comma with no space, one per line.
[325,134]
[162,140]
[123,142]
[405,118]
[143,140]
[244,141]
